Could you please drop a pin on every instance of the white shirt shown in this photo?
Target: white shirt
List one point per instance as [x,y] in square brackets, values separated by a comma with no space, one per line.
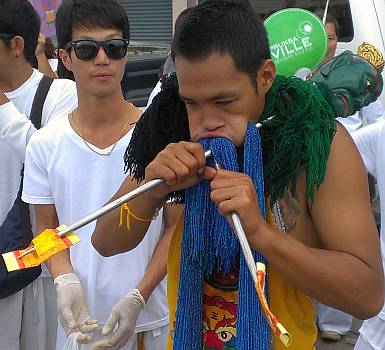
[371,144]
[60,169]
[370,114]
[16,129]
[155,91]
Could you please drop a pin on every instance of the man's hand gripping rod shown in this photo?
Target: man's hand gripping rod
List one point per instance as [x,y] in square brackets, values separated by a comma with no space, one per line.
[258,275]
[109,207]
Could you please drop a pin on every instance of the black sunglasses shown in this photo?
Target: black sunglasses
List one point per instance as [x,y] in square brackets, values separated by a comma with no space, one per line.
[6,36]
[87,49]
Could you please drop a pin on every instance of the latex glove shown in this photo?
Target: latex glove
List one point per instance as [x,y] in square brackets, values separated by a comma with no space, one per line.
[72,308]
[123,315]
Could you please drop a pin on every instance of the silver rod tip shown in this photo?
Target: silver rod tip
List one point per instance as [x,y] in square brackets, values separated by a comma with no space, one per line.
[208,153]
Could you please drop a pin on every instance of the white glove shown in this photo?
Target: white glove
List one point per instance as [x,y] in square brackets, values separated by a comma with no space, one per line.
[72,308]
[124,314]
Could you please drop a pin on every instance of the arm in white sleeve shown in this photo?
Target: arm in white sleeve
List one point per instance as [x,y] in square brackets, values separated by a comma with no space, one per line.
[16,129]
[374,113]
[367,141]
[36,184]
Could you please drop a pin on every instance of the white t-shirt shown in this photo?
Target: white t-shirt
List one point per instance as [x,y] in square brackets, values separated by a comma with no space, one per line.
[16,129]
[60,169]
[370,114]
[371,144]
[155,91]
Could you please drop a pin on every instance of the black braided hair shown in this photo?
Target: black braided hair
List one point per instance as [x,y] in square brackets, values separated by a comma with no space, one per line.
[164,121]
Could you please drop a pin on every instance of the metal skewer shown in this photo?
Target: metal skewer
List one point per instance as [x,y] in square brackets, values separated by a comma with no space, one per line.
[275,325]
[239,231]
[109,207]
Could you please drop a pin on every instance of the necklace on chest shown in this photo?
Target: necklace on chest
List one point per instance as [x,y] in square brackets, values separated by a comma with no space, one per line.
[93,148]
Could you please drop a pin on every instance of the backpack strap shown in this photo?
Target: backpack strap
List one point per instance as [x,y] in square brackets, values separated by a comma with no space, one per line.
[38,101]
[35,117]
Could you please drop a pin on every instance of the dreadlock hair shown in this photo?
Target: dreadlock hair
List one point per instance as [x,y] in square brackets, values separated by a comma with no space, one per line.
[164,121]
[298,127]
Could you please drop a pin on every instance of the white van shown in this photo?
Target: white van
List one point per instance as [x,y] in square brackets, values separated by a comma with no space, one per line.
[368,24]
[359,20]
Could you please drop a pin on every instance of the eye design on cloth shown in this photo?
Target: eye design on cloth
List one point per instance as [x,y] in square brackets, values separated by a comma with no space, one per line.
[225,336]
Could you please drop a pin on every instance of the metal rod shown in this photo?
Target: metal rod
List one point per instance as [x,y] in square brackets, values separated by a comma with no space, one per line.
[243,242]
[109,207]
[325,13]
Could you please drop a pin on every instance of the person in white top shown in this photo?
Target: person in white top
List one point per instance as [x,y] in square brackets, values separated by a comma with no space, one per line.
[74,166]
[333,323]
[28,319]
[370,141]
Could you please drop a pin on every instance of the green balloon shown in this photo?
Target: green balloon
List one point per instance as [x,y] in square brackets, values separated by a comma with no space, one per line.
[298,40]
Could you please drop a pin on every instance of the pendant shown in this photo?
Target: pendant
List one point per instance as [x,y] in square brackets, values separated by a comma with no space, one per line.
[50,16]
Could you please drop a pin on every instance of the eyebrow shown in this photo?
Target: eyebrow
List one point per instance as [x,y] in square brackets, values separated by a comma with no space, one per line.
[219,96]
[111,36]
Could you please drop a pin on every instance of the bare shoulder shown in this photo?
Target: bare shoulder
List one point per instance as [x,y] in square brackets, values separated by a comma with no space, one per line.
[341,210]
[345,170]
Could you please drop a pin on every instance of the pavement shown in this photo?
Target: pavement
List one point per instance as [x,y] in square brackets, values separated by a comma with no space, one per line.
[346,343]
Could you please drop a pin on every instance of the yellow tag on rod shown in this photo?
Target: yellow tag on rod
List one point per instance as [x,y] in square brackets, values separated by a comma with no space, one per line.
[45,245]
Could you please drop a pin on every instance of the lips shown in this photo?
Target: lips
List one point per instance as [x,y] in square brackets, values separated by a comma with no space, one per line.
[102,75]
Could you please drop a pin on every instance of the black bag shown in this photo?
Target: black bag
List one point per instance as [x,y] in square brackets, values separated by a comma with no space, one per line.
[15,231]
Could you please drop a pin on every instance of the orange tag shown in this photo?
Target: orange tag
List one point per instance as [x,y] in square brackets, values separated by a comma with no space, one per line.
[46,244]
[50,17]
[275,325]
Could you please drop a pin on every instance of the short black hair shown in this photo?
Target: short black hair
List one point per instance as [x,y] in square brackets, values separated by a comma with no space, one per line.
[179,20]
[227,27]
[73,14]
[329,19]
[20,18]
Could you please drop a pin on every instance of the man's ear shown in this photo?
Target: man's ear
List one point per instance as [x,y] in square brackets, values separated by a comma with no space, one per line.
[266,76]
[65,56]
[17,45]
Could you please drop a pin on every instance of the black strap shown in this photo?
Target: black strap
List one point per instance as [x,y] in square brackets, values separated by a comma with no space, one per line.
[35,117]
[38,101]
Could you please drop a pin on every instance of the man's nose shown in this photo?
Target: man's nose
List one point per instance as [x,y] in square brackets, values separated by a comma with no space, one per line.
[101,57]
[210,119]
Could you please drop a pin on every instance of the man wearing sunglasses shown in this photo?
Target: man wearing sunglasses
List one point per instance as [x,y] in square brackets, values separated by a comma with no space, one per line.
[67,165]
[28,317]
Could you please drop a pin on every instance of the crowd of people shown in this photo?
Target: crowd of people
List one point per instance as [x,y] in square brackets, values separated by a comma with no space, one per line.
[165,271]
